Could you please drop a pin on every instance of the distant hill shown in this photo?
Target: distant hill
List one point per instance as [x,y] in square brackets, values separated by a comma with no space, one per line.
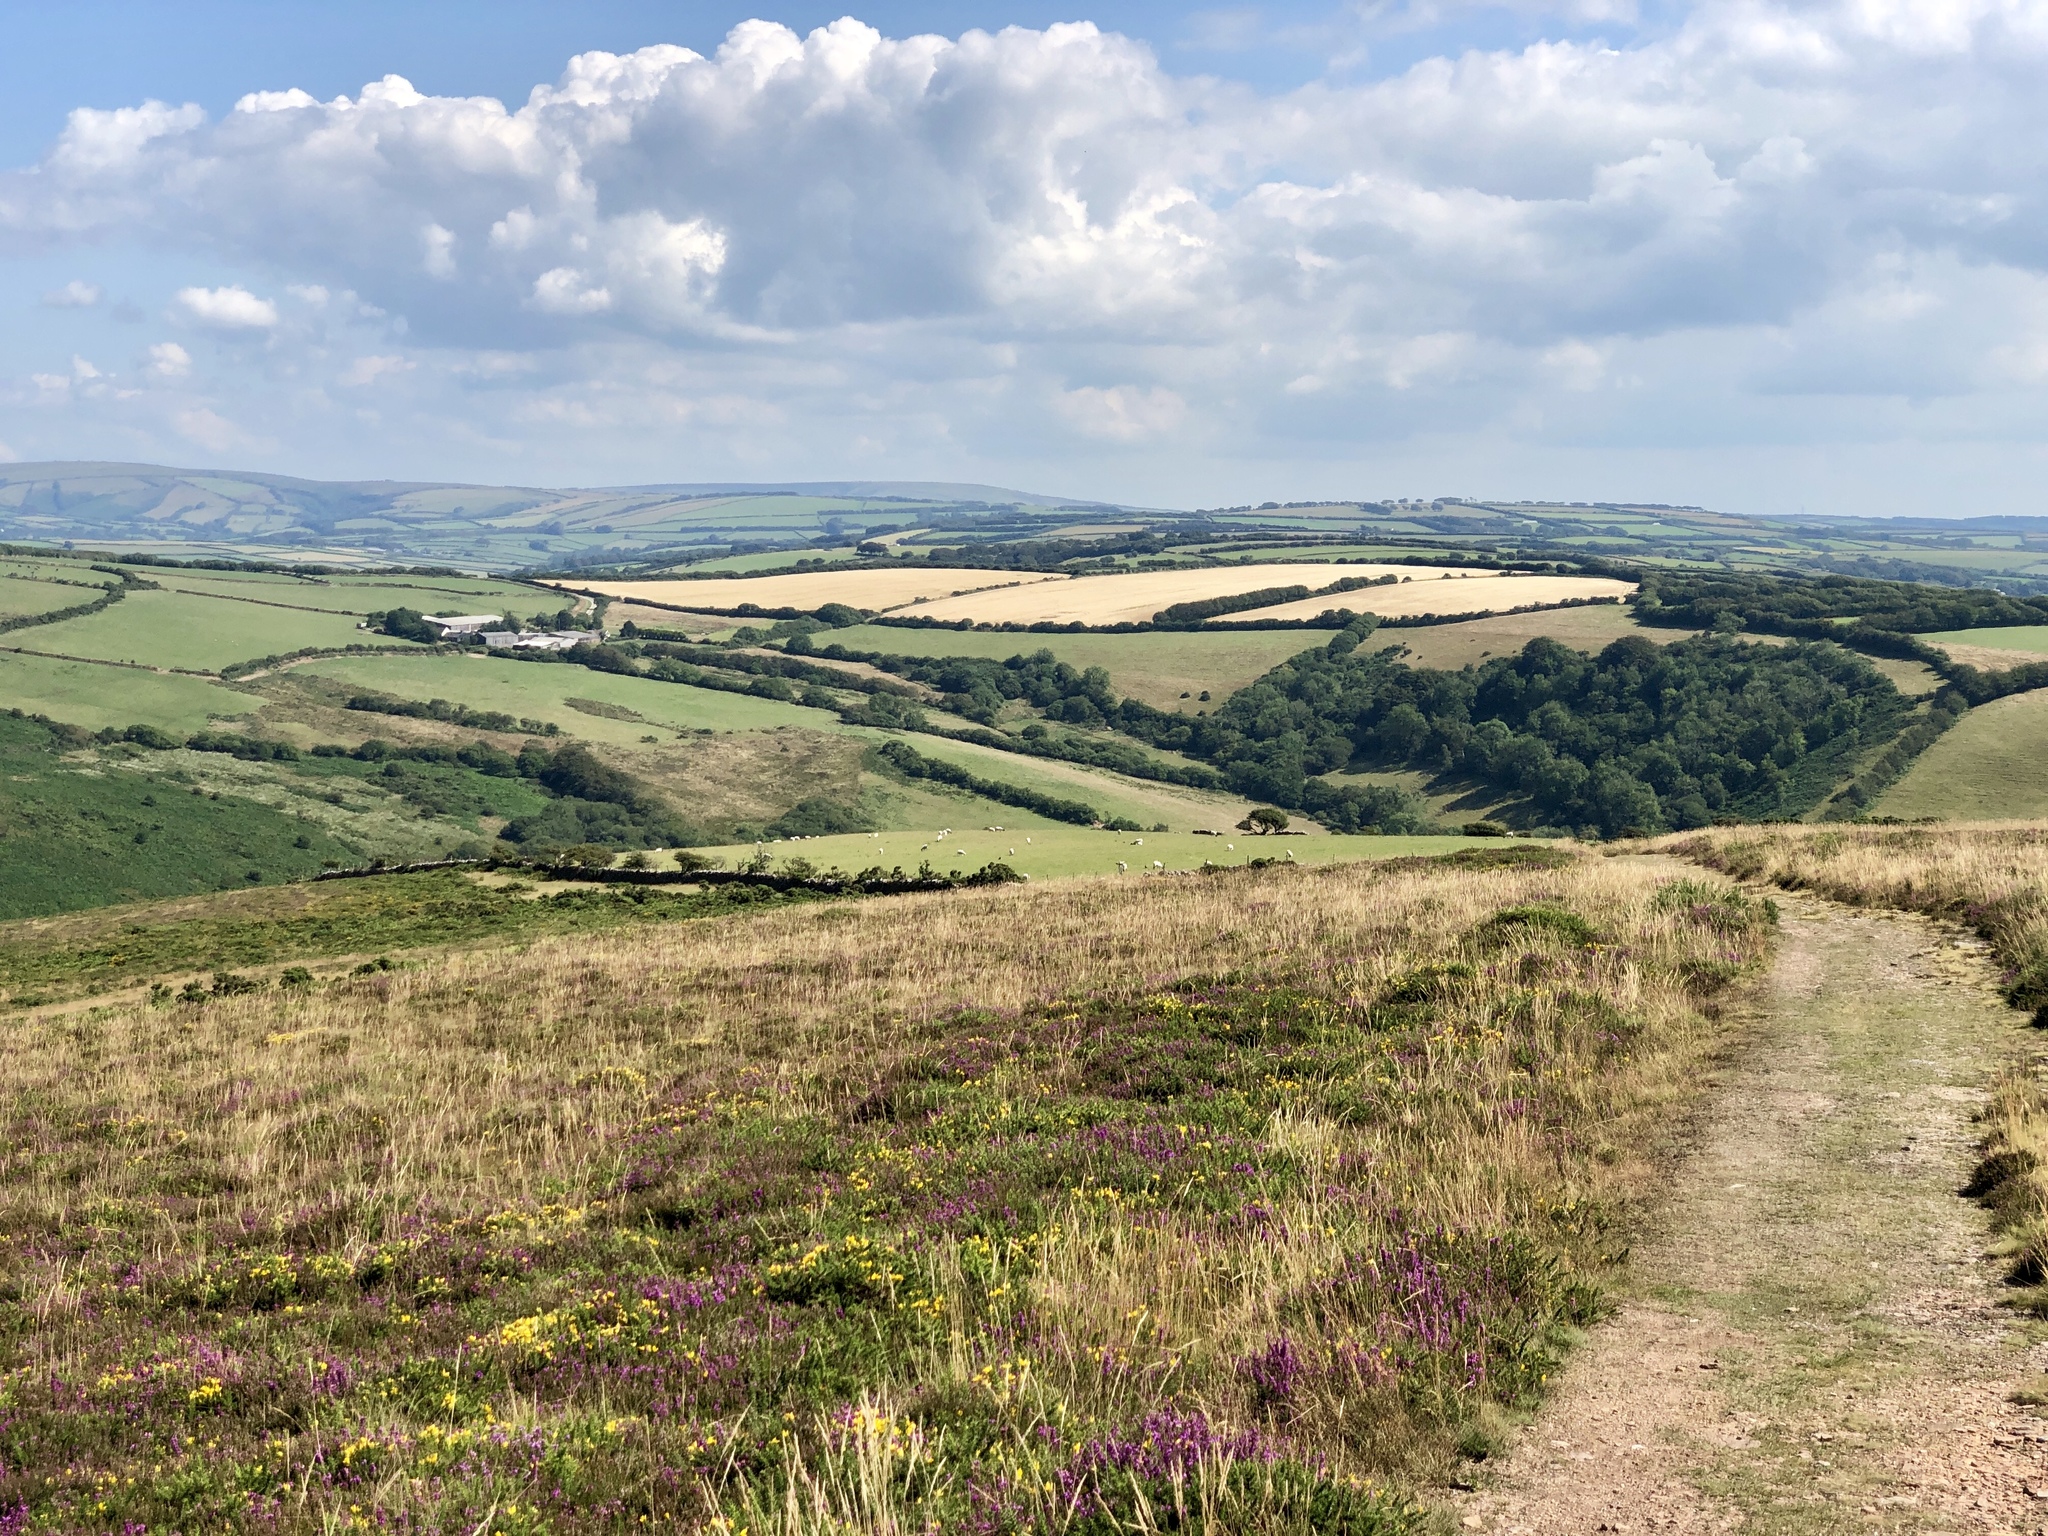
[239,512]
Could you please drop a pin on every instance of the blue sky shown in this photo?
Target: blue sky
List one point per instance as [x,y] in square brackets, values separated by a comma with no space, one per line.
[1767,256]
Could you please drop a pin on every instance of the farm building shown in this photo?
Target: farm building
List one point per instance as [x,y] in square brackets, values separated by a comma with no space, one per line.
[465,624]
[547,640]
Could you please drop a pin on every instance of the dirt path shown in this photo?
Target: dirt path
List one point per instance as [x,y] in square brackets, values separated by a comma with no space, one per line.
[1812,1341]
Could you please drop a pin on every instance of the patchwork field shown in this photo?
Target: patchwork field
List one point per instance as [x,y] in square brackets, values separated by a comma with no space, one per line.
[1156,668]
[188,632]
[1451,646]
[876,590]
[543,691]
[1135,596]
[1470,594]
[1992,763]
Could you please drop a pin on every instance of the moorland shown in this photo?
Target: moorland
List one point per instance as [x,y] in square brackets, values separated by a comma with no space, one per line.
[979,1020]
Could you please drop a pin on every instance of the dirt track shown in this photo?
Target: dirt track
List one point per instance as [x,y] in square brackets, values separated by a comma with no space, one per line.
[1813,1340]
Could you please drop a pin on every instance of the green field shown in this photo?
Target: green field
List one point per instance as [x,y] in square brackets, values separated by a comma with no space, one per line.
[199,634]
[1155,668]
[2017,637]
[540,689]
[1991,765]
[22,597]
[1139,800]
[96,695]
[1047,853]
[358,595]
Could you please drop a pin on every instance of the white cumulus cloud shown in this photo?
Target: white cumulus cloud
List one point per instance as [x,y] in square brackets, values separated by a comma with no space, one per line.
[228,309]
[168,360]
[1682,240]
[76,294]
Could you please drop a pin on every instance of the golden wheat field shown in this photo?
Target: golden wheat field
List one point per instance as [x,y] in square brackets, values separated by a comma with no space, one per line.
[875,590]
[1132,597]
[1472,594]
[1037,1209]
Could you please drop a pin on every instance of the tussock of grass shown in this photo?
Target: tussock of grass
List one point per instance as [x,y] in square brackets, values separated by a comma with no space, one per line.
[1076,1208]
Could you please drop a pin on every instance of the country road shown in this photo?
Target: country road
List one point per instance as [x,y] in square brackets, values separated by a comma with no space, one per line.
[1811,1339]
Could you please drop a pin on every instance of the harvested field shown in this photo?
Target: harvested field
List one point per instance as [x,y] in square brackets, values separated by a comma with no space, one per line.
[877,590]
[697,625]
[1450,646]
[1133,597]
[1474,594]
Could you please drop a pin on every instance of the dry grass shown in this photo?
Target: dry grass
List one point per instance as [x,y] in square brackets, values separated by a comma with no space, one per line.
[1383,1084]
[1473,594]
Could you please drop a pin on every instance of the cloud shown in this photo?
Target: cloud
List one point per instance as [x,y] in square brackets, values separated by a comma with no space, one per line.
[924,240]
[227,309]
[208,428]
[76,294]
[1124,413]
[368,370]
[168,360]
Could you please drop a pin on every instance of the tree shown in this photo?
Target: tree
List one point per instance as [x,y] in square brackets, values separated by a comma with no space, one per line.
[1263,820]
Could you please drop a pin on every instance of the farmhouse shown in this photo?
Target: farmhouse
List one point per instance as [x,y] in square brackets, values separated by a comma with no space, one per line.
[545,640]
[465,624]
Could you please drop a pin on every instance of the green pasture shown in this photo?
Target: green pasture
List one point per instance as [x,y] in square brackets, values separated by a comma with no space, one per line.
[2016,637]
[359,595]
[52,570]
[541,690]
[1988,766]
[199,634]
[1139,800]
[1048,853]
[96,695]
[1155,668]
[776,560]
[24,597]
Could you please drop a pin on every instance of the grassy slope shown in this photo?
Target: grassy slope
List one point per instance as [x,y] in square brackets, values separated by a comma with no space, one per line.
[91,953]
[82,693]
[1992,763]
[540,690]
[76,835]
[970,1165]
[1046,850]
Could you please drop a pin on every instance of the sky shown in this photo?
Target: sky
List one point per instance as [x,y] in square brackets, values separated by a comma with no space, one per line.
[1762,255]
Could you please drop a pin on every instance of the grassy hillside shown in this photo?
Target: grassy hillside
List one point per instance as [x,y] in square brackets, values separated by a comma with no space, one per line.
[976,1211]
[76,831]
[1993,763]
